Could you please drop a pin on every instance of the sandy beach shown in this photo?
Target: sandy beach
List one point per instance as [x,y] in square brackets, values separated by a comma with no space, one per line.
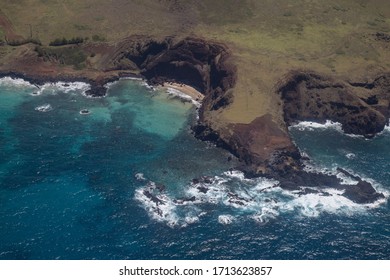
[186,89]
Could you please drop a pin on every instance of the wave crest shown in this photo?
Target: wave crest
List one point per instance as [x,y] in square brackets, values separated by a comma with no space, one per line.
[259,199]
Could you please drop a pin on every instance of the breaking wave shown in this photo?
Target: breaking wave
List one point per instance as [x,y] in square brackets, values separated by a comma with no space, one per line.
[312,126]
[54,88]
[48,88]
[238,198]
[177,93]
[15,82]
[110,84]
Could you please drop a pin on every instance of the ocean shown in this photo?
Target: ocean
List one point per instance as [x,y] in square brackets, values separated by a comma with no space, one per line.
[123,177]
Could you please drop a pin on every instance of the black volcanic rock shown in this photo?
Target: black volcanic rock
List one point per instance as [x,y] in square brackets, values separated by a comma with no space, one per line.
[312,97]
[380,36]
[362,192]
[263,145]
[309,182]
[201,64]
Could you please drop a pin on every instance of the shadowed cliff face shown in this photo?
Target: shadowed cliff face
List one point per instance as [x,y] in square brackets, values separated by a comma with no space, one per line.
[200,64]
[263,146]
[361,107]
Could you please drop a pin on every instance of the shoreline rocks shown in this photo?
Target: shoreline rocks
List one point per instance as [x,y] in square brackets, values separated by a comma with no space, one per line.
[362,108]
[264,147]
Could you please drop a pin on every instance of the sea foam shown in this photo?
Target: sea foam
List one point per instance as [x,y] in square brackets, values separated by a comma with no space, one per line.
[177,93]
[110,84]
[161,208]
[51,88]
[259,199]
[310,126]
[73,87]
[44,108]
[17,83]
[225,219]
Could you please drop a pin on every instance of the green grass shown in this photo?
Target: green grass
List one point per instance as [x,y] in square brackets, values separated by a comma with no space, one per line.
[64,55]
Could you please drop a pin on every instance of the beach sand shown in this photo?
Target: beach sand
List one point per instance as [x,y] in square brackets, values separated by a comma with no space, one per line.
[186,89]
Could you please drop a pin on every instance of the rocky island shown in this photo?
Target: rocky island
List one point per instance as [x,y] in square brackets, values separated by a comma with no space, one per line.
[260,68]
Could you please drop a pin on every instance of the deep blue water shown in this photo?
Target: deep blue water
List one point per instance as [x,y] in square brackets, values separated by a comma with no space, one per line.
[73,186]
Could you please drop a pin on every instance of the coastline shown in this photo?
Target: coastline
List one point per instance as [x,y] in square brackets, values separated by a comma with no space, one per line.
[186,89]
[97,86]
[263,146]
[361,192]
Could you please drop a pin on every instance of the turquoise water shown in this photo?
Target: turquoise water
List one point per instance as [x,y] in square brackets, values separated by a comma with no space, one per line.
[74,186]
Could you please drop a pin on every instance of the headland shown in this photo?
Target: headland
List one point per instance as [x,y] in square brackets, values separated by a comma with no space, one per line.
[258,74]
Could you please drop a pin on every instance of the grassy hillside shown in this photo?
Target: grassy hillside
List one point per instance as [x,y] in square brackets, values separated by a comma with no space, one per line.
[268,38]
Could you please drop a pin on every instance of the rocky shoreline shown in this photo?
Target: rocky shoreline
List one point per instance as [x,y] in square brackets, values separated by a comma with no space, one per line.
[264,147]
[362,108]
[97,87]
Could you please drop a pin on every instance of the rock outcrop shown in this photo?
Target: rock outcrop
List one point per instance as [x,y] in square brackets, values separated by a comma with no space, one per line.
[310,182]
[361,107]
[263,146]
[201,64]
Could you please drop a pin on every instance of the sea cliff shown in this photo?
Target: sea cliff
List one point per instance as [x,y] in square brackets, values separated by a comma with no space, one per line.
[263,145]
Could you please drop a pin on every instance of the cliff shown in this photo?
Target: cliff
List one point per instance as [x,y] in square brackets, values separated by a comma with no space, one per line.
[263,145]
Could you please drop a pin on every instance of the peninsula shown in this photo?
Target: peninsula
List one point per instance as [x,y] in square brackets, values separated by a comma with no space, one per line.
[261,65]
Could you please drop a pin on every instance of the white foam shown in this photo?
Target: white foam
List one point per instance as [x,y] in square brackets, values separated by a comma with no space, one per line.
[225,219]
[379,188]
[264,184]
[16,82]
[239,175]
[345,180]
[387,127]
[47,87]
[213,190]
[163,211]
[312,205]
[266,214]
[191,219]
[310,126]
[44,108]
[73,87]
[260,199]
[216,191]
[140,177]
[109,84]
[183,96]
[350,156]
[131,78]
[85,112]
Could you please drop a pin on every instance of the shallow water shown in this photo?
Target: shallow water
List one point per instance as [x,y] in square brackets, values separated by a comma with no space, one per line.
[73,186]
